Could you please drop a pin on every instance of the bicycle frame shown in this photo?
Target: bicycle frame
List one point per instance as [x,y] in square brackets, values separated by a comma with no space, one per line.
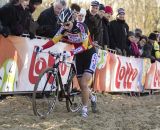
[61,59]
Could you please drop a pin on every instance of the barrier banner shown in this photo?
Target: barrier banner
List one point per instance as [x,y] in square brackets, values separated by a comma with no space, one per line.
[153,77]
[102,74]
[127,74]
[119,74]
[19,68]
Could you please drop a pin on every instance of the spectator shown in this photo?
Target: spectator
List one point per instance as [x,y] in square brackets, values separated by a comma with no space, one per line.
[47,20]
[138,34]
[3,31]
[143,41]
[13,1]
[33,4]
[101,11]
[108,12]
[15,17]
[148,51]
[81,15]
[133,49]
[156,49]
[118,33]
[76,9]
[94,23]
[106,23]
[158,38]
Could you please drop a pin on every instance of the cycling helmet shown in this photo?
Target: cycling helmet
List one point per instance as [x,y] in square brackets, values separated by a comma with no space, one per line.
[65,15]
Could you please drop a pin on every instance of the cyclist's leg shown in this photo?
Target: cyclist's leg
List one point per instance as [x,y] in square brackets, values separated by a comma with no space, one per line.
[85,74]
[91,69]
[84,82]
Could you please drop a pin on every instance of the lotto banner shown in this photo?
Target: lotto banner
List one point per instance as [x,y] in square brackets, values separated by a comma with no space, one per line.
[153,77]
[126,74]
[19,65]
[120,74]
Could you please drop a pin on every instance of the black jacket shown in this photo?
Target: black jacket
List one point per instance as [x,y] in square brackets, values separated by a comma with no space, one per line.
[105,25]
[118,31]
[15,18]
[94,24]
[148,51]
[48,25]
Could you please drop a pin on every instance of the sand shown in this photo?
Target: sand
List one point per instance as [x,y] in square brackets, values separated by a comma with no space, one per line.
[115,112]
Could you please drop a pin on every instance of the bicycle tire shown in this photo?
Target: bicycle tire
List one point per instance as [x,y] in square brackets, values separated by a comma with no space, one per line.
[73,100]
[45,93]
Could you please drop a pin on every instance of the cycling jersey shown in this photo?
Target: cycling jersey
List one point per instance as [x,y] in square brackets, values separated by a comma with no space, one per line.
[79,36]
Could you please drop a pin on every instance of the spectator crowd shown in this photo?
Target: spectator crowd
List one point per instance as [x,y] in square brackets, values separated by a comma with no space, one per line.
[16,19]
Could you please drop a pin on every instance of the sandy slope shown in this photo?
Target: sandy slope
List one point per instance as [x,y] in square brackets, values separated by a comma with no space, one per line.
[116,112]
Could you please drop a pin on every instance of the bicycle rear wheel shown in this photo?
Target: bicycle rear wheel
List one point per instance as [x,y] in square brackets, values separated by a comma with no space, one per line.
[45,93]
[73,99]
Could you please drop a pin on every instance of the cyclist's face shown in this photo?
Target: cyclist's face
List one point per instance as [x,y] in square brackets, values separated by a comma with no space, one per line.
[68,25]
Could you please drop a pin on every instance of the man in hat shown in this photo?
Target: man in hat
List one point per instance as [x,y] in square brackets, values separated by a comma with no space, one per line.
[48,19]
[106,23]
[94,23]
[118,33]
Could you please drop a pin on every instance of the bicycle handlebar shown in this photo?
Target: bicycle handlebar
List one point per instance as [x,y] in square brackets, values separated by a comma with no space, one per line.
[59,56]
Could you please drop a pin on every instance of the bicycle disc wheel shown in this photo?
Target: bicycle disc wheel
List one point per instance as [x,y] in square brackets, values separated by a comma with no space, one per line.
[45,93]
[73,100]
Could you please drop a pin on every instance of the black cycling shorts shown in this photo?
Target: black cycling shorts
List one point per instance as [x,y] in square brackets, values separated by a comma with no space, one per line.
[86,62]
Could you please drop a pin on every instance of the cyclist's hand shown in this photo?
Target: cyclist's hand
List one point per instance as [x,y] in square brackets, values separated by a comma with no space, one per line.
[38,49]
[67,54]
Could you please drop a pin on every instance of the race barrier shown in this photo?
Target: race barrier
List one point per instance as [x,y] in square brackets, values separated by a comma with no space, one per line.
[20,67]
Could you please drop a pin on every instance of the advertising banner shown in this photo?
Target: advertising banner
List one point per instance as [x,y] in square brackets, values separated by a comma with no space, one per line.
[20,66]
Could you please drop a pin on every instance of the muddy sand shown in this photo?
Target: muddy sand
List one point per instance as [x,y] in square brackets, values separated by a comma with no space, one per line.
[115,112]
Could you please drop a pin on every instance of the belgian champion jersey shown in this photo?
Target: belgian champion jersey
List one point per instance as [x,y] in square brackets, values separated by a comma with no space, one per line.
[79,36]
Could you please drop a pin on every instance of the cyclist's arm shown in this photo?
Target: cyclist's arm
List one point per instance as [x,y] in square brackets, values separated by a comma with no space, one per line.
[81,48]
[53,41]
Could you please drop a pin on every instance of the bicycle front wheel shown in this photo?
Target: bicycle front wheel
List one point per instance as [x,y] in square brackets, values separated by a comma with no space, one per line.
[45,93]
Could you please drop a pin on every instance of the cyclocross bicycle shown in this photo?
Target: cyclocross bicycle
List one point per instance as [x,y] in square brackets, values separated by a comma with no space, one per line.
[50,88]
